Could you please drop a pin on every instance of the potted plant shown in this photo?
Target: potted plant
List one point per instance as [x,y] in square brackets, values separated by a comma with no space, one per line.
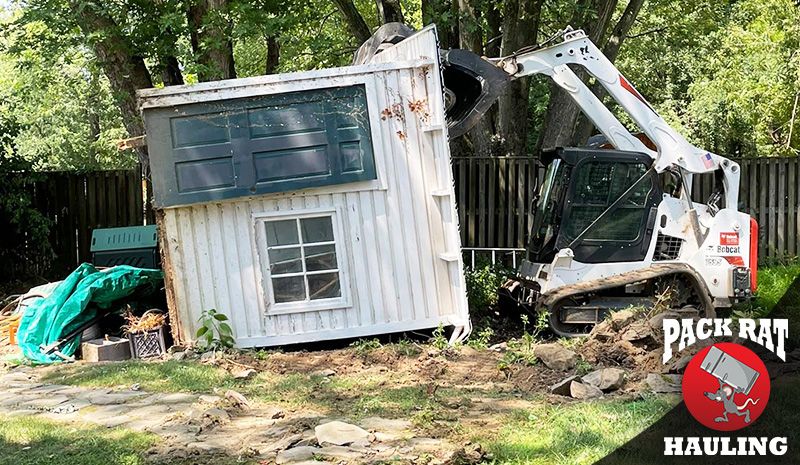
[146,333]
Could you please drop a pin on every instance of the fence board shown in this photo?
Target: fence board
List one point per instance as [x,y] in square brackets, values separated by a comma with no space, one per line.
[76,204]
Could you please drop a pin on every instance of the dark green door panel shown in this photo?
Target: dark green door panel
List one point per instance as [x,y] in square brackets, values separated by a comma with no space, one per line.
[240,147]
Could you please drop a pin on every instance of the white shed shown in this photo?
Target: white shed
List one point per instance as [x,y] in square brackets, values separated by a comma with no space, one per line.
[310,206]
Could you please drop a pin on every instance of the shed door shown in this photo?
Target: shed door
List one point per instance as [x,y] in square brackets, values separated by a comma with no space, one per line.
[240,147]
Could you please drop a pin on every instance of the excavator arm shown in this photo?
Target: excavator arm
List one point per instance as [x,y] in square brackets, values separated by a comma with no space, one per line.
[673,150]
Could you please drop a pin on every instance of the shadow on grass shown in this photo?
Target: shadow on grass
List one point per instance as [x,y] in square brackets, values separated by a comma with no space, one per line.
[353,396]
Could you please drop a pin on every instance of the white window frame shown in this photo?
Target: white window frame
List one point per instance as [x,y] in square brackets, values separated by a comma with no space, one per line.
[276,308]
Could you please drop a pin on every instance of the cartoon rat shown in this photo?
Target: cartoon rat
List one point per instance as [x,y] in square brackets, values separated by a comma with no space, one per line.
[725,395]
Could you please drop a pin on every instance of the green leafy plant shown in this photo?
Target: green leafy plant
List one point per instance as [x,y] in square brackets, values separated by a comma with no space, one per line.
[481,339]
[439,341]
[406,348]
[482,285]
[214,333]
[363,347]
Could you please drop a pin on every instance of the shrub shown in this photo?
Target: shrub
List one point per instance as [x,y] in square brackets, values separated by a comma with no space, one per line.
[482,285]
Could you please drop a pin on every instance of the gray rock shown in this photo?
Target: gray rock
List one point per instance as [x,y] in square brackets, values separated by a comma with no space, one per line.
[208,356]
[209,399]
[662,383]
[680,365]
[339,453]
[296,454]
[641,334]
[237,399]
[622,319]
[556,357]
[606,379]
[499,347]
[657,322]
[385,425]
[603,331]
[562,387]
[179,355]
[246,373]
[326,373]
[339,433]
[583,391]
[216,415]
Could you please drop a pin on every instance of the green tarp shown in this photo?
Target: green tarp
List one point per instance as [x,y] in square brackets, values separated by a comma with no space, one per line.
[68,307]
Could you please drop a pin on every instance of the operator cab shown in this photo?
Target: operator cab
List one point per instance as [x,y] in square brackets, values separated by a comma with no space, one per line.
[600,203]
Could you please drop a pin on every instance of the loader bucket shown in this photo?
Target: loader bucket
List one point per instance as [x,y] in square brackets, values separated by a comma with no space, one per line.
[471,84]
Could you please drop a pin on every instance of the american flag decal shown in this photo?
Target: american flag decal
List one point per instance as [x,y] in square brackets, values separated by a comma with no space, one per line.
[708,161]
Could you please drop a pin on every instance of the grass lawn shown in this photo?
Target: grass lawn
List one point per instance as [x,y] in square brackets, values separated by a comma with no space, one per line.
[575,433]
[31,441]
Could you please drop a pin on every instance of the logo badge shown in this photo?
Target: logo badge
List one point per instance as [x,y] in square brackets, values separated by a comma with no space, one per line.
[726,387]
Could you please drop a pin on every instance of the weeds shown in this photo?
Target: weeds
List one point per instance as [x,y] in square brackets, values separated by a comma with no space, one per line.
[481,339]
[439,341]
[406,348]
[363,347]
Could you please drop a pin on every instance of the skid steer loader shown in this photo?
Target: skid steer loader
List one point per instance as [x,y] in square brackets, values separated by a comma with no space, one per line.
[615,223]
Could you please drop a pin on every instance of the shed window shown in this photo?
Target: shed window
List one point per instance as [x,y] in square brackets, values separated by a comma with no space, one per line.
[301,263]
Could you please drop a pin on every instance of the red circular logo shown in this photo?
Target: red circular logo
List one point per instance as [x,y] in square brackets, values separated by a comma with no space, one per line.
[726,387]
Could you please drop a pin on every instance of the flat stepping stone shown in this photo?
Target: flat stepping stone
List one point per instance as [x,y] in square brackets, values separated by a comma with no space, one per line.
[176,398]
[43,403]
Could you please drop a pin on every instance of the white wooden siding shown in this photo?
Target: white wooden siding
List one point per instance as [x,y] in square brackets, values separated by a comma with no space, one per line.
[400,234]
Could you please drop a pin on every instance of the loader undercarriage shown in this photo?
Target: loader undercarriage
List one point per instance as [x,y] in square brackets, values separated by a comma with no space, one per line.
[576,314]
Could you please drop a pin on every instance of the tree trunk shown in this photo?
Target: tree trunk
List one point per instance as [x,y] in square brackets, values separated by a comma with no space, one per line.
[443,14]
[389,11]
[559,128]
[611,51]
[126,71]
[494,21]
[170,71]
[273,55]
[520,28]
[210,38]
[355,22]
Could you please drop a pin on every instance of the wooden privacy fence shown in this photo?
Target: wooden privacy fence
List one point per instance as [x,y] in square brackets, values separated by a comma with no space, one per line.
[495,198]
[77,203]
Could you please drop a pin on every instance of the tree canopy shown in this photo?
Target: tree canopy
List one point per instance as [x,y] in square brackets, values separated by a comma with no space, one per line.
[726,73]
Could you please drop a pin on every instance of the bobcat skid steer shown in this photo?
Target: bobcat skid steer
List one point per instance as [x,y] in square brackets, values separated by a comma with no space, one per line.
[613,227]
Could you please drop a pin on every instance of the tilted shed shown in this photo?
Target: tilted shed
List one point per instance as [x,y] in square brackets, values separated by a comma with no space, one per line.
[310,206]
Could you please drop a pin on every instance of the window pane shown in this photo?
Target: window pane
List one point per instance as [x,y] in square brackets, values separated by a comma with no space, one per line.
[324,286]
[317,229]
[285,261]
[289,289]
[598,184]
[321,257]
[281,232]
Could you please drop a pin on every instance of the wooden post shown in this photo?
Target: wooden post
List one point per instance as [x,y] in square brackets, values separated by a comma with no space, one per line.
[175,323]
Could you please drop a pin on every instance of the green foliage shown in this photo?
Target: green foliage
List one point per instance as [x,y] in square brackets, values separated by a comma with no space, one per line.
[482,285]
[726,75]
[439,341]
[480,340]
[57,96]
[406,348]
[214,333]
[363,347]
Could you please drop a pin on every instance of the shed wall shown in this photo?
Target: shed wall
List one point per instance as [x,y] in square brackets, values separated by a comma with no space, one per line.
[400,233]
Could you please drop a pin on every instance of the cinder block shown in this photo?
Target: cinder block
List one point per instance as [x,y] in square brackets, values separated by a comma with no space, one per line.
[106,350]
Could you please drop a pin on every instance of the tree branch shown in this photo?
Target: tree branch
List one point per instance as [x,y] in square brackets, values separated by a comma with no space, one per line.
[355,22]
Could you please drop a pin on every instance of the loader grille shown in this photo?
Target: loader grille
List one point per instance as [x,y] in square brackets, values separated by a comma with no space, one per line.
[667,248]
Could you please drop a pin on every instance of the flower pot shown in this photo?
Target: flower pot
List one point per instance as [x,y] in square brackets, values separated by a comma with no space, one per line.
[148,343]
